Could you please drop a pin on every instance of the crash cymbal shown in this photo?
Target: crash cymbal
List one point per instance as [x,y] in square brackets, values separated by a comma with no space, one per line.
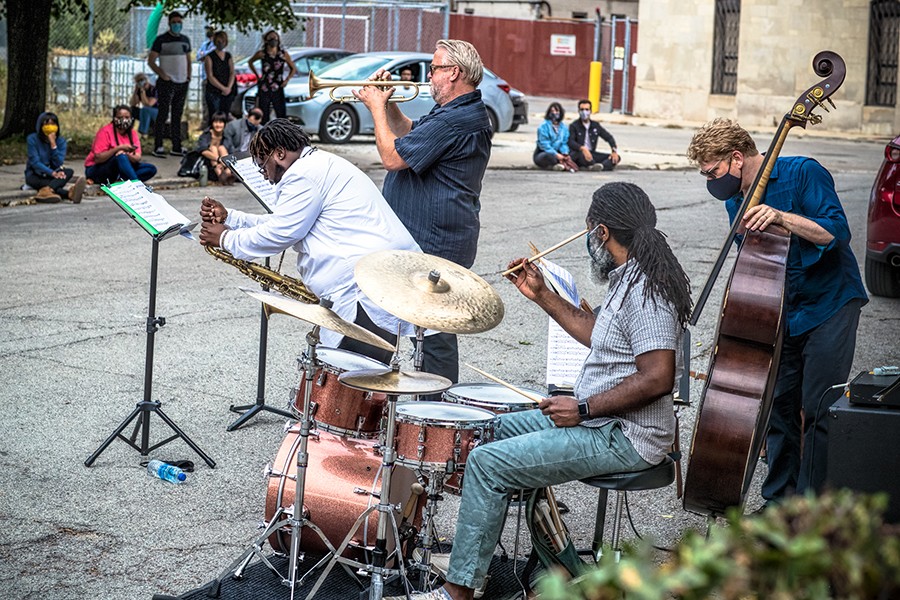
[388,381]
[429,291]
[316,314]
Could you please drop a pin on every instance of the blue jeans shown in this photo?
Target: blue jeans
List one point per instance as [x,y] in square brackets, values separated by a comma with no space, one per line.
[147,114]
[120,167]
[810,364]
[529,452]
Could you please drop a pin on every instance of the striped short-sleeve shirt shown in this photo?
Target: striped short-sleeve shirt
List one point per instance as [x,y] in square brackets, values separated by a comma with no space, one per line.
[628,326]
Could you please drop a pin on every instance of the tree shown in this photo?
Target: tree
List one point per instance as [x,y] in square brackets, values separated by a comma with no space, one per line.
[28,35]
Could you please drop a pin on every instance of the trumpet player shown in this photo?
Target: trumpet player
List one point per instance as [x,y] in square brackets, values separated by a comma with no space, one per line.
[330,213]
[435,167]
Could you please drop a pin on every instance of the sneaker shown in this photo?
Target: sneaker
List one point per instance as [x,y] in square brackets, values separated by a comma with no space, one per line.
[559,167]
[160,152]
[46,195]
[77,190]
[597,167]
[179,152]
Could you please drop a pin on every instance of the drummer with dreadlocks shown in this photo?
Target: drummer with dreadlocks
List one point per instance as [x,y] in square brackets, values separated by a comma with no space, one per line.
[330,213]
[621,417]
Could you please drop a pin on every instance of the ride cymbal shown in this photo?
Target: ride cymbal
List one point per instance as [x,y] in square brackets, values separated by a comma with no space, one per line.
[429,291]
[316,314]
[389,381]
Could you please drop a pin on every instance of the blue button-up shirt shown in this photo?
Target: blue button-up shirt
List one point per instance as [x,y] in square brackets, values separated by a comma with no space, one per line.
[447,151]
[820,279]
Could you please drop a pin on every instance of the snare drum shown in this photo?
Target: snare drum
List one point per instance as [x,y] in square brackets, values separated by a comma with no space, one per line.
[339,409]
[490,396]
[432,434]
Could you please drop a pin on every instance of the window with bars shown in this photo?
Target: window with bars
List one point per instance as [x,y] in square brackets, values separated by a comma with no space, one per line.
[884,33]
[726,35]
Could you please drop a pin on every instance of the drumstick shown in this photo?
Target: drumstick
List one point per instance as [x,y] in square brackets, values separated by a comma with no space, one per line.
[544,253]
[416,489]
[531,397]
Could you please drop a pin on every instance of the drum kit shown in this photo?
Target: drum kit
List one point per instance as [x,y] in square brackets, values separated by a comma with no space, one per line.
[348,485]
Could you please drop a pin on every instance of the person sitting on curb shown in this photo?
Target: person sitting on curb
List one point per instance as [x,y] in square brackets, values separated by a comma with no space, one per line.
[239,132]
[143,102]
[552,151]
[211,146]
[44,169]
[116,151]
[583,136]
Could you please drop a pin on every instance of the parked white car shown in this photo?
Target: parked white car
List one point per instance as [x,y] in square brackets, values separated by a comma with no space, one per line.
[337,122]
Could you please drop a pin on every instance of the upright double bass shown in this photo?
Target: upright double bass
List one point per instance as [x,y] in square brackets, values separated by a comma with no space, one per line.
[737,398]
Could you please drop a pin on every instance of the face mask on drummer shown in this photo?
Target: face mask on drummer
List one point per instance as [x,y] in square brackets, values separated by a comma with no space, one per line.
[602,261]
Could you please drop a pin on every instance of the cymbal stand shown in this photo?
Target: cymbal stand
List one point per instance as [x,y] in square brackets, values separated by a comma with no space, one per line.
[294,517]
[428,535]
[386,517]
[419,352]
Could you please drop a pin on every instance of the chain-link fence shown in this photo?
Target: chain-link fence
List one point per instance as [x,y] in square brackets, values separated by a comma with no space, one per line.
[93,59]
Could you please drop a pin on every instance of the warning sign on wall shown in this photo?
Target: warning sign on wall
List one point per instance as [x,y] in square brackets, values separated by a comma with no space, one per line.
[562,45]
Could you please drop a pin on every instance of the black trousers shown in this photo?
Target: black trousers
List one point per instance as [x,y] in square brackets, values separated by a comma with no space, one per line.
[39,181]
[598,157]
[266,101]
[170,101]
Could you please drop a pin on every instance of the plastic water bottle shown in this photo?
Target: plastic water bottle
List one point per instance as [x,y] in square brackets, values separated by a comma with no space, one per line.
[204,174]
[165,471]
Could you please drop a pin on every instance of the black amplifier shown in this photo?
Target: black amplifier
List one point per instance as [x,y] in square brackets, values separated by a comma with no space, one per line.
[875,390]
[864,451]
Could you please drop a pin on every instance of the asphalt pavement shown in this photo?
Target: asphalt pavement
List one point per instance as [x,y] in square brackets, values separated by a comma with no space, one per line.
[73,342]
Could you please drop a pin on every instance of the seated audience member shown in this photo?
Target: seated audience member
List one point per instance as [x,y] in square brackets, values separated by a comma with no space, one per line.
[239,132]
[583,136]
[552,151]
[116,152]
[211,146]
[44,168]
[143,102]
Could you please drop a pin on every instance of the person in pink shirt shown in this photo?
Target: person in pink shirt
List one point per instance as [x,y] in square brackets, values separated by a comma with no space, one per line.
[116,152]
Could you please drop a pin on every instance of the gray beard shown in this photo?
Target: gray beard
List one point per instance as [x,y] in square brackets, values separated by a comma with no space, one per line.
[602,265]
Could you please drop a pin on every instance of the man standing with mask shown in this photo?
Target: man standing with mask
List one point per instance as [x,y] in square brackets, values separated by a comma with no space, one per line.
[583,136]
[824,294]
[170,59]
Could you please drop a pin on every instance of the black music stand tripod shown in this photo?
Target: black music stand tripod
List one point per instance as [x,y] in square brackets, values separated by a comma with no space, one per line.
[146,407]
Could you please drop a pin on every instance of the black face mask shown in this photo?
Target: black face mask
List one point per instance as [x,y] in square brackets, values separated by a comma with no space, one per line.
[271,43]
[555,117]
[724,187]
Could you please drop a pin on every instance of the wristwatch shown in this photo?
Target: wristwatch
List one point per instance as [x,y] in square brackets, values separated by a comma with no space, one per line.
[584,411]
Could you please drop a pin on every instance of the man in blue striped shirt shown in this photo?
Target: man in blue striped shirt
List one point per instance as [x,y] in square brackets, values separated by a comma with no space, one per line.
[435,166]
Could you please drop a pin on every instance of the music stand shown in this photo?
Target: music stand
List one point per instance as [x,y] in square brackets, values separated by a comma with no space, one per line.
[161,221]
[264,192]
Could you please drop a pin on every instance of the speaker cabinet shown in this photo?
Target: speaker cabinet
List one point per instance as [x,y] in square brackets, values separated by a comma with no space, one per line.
[864,451]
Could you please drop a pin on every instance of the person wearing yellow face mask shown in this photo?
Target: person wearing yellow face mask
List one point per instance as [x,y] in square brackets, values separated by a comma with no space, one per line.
[44,169]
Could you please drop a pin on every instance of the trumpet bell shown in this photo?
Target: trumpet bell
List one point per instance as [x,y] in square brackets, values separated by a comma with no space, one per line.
[317,84]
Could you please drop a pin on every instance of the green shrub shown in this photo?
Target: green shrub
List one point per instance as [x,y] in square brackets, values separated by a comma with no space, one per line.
[833,546]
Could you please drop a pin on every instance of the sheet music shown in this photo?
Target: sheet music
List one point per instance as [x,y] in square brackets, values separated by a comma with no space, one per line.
[565,355]
[154,213]
[250,176]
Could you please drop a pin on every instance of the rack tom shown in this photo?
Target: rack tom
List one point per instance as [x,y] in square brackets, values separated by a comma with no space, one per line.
[490,396]
[337,408]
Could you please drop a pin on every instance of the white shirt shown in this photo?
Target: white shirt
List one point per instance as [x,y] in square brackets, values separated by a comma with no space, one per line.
[332,214]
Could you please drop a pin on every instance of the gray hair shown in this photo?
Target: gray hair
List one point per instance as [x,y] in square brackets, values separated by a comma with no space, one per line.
[466,57]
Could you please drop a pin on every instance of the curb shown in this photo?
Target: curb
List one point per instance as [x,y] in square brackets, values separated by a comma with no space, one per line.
[25,197]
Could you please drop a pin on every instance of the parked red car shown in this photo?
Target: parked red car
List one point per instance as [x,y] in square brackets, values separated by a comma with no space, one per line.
[883,231]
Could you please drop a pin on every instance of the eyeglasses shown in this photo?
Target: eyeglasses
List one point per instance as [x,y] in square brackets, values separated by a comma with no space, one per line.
[262,167]
[434,68]
[711,173]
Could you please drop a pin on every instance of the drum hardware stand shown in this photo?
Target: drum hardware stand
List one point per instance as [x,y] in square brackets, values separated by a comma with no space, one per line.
[293,518]
[428,536]
[385,509]
[250,410]
[146,407]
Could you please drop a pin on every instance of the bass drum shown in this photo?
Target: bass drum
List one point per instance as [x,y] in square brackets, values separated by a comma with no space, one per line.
[341,473]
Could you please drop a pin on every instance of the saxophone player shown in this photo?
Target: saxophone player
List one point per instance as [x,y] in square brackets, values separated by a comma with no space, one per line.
[330,213]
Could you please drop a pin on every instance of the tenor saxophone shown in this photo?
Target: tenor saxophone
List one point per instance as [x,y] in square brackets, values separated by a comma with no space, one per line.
[283,284]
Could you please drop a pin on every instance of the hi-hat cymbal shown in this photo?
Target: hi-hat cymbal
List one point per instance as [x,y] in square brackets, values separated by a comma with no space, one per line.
[389,381]
[316,314]
[429,291]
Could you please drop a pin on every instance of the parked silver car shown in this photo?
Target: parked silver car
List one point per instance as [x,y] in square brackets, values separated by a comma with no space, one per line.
[336,122]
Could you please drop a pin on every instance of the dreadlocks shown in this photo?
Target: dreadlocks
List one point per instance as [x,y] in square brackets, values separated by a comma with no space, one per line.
[277,134]
[626,210]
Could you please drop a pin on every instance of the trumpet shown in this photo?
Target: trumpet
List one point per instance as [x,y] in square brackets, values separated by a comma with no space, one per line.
[316,84]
